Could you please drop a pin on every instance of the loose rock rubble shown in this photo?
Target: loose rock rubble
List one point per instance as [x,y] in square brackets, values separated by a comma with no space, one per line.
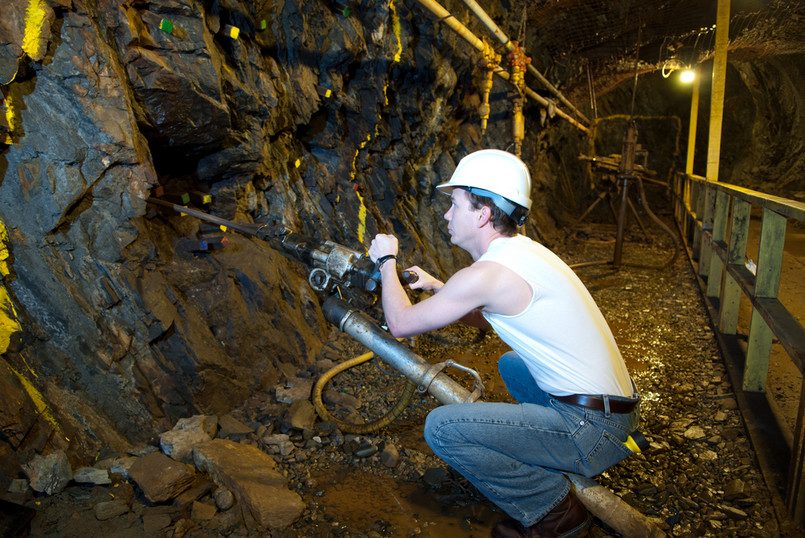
[268,468]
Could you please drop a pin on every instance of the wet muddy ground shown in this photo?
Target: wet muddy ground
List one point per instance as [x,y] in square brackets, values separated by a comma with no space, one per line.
[699,478]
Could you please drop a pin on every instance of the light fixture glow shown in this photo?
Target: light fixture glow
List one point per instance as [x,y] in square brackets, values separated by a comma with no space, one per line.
[687,76]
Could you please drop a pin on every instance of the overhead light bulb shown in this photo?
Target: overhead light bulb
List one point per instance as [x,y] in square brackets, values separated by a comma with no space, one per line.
[687,76]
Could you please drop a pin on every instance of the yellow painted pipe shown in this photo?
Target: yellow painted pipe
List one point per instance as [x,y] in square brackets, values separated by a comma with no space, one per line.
[694,116]
[446,17]
[504,39]
[717,92]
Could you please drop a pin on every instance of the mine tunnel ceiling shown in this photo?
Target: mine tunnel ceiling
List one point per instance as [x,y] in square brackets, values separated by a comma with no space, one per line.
[566,37]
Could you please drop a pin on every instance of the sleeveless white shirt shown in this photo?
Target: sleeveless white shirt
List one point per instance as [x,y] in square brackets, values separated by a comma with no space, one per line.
[561,335]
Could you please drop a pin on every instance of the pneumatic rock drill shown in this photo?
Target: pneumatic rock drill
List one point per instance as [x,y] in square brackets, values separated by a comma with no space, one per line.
[333,267]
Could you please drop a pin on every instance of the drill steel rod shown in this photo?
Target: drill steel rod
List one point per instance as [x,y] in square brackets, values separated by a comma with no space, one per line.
[243,228]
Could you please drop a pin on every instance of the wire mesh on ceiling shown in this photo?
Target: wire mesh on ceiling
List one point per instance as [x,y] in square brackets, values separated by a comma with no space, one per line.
[606,35]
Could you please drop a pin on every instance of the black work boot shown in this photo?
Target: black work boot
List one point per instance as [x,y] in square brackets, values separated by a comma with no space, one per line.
[568,519]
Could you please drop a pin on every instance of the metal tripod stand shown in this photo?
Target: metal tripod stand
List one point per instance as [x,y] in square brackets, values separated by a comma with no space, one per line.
[626,175]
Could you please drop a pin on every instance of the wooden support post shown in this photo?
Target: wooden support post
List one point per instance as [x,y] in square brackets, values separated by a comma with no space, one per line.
[705,250]
[731,291]
[719,231]
[795,500]
[767,283]
[697,210]
[688,216]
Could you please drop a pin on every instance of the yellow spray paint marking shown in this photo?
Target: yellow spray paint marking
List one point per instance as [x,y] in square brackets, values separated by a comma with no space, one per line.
[34,18]
[361,218]
[37,398]
[11,121]
[28,367]
[362,210]
[8,315]
[395,25]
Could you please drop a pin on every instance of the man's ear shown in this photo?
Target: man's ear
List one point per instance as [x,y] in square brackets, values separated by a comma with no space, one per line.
[484,216]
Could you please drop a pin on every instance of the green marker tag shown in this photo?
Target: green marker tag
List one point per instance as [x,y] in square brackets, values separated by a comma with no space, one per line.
[263,24]
[166,25]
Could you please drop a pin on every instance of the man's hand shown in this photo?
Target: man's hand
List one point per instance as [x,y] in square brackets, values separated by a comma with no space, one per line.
[426,281]
[383,245]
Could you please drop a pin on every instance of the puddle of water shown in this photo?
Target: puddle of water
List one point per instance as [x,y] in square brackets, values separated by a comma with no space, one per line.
[364,502]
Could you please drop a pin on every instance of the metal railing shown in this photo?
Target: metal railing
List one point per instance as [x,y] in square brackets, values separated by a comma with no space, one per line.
[714,218]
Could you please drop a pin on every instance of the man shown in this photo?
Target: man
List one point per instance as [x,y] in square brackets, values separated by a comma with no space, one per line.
[576,402]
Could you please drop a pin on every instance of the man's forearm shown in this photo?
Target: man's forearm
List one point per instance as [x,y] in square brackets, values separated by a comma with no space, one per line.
[395,300]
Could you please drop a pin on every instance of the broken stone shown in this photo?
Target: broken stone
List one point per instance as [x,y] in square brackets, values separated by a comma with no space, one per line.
[390,455]
[733,513]
[49,474]
[708,455]
[279,443]
[182,527]
[735,489]
[109,509]
[229,426]
[202,511]
[160,477]
[251,476]
[178,444]
[301,415]
[296,388]
[18,485]
[728,404]
[140,451]
[326,428]
[694,432]
[720,416]
[121,466]
[323,365]
[200,487]
[365,450]
[206,423]
[681,424]
[123,490]
[153,523]
[354,443]
[435,476]
[90,475]
[341,399]
[224,499]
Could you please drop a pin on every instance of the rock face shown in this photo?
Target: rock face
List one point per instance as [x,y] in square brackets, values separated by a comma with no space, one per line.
[114,321]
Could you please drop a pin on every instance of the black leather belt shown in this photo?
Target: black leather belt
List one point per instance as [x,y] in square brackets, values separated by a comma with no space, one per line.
[594,402]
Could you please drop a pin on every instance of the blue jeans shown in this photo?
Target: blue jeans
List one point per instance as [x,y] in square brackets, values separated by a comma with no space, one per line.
[515,453]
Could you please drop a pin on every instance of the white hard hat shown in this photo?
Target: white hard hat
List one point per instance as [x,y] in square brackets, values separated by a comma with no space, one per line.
[498,175]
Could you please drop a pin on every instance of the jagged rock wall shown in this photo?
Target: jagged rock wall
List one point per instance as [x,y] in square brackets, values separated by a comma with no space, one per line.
[115,325]
[765,146]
